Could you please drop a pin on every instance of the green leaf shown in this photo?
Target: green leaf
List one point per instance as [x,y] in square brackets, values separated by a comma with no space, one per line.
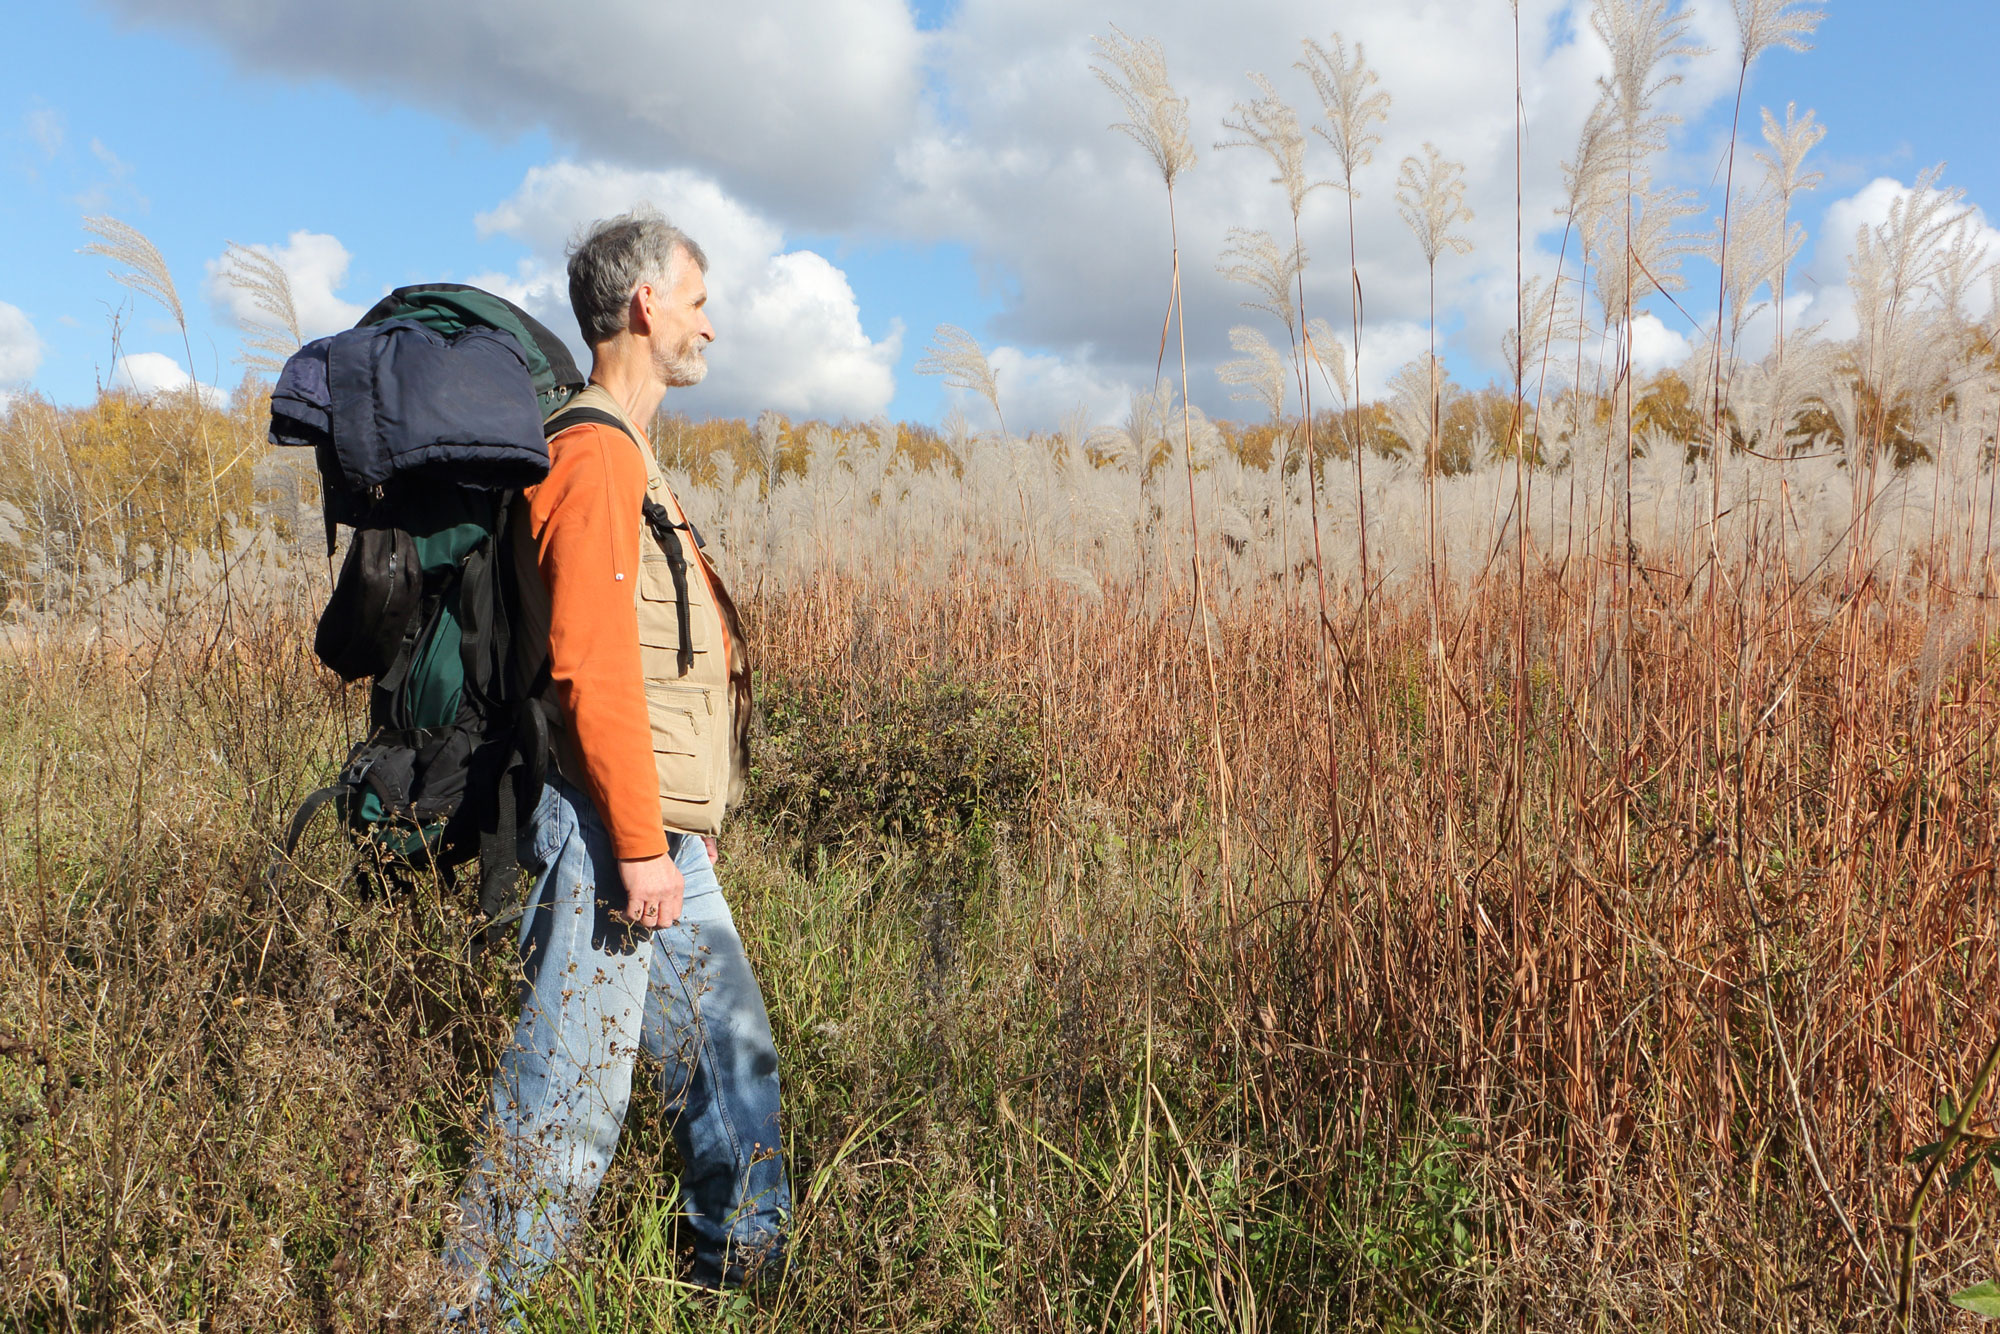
[1923,1152]
[1946,1112]
[1982,1299]
[1965,1170]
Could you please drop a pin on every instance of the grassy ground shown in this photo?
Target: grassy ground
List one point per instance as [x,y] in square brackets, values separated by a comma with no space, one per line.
[1598,1007]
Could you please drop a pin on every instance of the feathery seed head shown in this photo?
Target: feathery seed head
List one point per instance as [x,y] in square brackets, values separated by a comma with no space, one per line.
[1764,24]
[1255,259]
[957,356]
[1351,108]
[1414,392]
[1907,258]
[1269,123]
[1431,197]
[1150,430]
[887,435]
[1760,243]
[1260,371]
[1790,142]
[1543,307]
[957,437]
[268,341]
[770,430]
[1074,433]
[1643,35]
[1135,70]
[1656,243]
[1331,356]
[145,269]
[1587,177]
[1964,260]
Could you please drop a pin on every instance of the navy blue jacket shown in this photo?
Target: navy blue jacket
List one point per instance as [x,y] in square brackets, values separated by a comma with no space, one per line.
[396,396]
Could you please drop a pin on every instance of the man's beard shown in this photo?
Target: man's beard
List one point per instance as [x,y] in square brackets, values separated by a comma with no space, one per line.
[685,367]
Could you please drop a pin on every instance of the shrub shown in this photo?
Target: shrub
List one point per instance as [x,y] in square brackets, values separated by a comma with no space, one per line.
[929,763]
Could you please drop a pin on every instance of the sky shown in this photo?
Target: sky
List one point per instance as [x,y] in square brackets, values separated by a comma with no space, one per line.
[860,171]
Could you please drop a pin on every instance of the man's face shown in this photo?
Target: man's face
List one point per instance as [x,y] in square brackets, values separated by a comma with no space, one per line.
[680,327]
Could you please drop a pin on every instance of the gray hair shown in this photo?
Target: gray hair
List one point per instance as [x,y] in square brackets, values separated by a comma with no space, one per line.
[612,257]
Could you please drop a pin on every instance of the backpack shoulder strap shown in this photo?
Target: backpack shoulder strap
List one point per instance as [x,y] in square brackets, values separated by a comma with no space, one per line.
[657,519]
[584,416]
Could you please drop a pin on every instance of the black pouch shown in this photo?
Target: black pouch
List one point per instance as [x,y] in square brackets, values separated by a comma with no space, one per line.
[379,588]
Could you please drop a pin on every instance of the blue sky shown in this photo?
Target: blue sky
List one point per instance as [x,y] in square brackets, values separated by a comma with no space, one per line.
[986,194]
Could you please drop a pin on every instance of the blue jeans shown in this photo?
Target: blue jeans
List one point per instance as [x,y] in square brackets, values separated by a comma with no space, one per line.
[595,991]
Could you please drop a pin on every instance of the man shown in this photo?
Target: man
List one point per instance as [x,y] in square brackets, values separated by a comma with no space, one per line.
[628,941]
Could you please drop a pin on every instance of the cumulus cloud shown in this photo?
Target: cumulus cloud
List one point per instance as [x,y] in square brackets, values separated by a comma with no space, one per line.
[1831,302]
[154,374]
[791,101]
[1386,347]
[315,265]
[1038,389]
[992,133]
[1016,159]
[788,327]
[20,346]
[1655,347]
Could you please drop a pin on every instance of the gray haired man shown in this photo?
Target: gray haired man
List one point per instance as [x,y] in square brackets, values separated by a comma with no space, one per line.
[628,942]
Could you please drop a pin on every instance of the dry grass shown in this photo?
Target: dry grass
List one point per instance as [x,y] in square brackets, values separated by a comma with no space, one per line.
[1509,1039]
[1550,886]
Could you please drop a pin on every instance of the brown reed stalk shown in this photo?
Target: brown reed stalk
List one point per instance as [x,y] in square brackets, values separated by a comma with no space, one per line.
[1270,125]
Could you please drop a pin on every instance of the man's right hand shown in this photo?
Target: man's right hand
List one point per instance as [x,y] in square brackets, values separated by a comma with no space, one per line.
[653,889]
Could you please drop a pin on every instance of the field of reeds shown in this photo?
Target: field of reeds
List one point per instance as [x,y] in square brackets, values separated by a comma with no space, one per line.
[1521,860]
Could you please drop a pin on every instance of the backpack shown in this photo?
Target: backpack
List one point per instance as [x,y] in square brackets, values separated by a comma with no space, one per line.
[426,421]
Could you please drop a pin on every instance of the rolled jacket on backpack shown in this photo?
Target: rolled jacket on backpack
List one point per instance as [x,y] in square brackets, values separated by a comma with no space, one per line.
[407,397]
[301,404]
[395,397]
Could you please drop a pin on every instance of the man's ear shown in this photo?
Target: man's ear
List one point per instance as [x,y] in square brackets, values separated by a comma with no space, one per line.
[639,310]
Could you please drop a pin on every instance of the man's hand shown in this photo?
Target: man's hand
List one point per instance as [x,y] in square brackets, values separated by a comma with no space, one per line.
[714,853]
[653,889]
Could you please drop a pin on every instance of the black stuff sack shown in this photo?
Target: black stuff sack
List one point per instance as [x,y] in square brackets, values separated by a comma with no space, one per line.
[362,628]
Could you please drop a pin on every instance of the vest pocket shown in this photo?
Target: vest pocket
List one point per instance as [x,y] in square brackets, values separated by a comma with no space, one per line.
[660,629]
[684,723]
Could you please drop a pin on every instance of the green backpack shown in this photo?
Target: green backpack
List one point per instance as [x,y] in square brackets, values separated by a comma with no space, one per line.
[425,607]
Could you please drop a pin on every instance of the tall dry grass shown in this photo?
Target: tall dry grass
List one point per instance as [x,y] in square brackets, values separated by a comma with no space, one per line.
[1573,909]
[1637,1042]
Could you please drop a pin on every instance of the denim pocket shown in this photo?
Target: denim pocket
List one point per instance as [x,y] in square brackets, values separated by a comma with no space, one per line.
[555,820]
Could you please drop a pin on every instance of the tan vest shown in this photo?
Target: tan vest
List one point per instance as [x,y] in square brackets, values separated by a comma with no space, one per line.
[700,718]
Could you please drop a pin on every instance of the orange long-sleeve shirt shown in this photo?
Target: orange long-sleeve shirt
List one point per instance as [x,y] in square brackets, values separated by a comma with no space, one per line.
[585,517]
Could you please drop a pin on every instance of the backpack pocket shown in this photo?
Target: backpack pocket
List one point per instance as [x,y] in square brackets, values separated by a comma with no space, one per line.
[380,584]
[684,738]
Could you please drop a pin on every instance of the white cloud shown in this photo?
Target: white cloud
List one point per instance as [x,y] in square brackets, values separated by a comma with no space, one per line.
[113,187]
[1386,347]
[1070,218]
[1038,389]
[790,101]
[46,128]
[837,117]
[154,374]
[1832,303]
[20,346]
[788,327]
[315,265]
[1655,347]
